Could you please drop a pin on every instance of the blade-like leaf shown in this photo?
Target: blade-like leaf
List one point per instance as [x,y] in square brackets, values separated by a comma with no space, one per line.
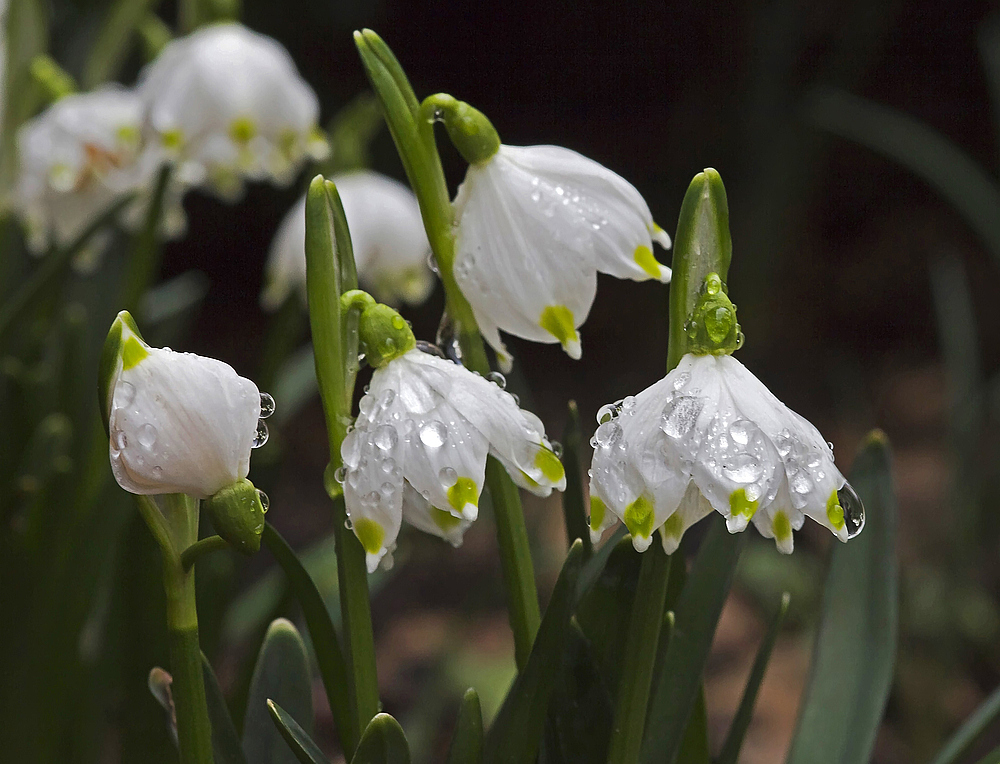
[112,43]
[326,645]
[694,747]
[572,499]
[301,745]
[281,675]
[517,730]
[467,742]
[697,614]
[741,722]
[856,645]
[225,741]
[983,718]
[382,743]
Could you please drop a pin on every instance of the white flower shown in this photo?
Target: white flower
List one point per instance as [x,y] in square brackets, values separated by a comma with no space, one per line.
[230,104]
[708,436]
[535,224]
[419,447]
[178,422]
[76,159]
[387,233]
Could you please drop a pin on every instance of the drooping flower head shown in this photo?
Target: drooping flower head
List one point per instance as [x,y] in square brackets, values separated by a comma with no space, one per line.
[709,436]
[76,159]
[231,106]
[418,449]
[534,226]
[180,423]
[390,245]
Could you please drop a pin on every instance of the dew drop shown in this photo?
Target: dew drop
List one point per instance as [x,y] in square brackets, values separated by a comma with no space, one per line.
[430,348]
[557,449]
[680,415]
[608,434]
[266,405]
[606,413]
[517,399]
[340,475]
[158,471]
[348,524]
[432,263]
[260,436]
[801,483]
[146,435]
[448,477]
[386,437]
[740,431]
[388,489]
[386,398]
[433,434]
[264,501]
[124,394]
[120,440]
[388,465]
[854,510]
[497,379]
[743,468]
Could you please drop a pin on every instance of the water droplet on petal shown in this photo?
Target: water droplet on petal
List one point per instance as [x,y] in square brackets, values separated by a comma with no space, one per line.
[448,477]
[557,449]
[433,434]
[497,379]
[146,435]
[432,262]
[348,524]
[607,435]
[517,399]
[124,394]
[260,436]
[340,475]
[854,510]
[264,501]
[388,465]
[680,415]
[801,483]
[743,468]
[740,431]
[606,413]
[386,398]
[266,405]
[119,439]
[388,489]
[430,348]
[386,437]
[681,379]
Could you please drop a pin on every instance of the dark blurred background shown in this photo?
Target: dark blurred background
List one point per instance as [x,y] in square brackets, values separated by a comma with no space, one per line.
[838,252]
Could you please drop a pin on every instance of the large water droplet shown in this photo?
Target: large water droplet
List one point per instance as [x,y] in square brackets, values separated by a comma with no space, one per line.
[608,434]
[371,498]
[386,398]
[388,489]
[740,431]
[497,379]
[433,434]
[430,348]
[801,483]
[260,436]
[266,405]
[557,449]
[681,379]
[680,415]
[854,510]
[388,465]
[124,394]
[146,435]
[386,437]
[606,413]
[264,501]
[448,477]
[119,439]
[742,468]
[340,475]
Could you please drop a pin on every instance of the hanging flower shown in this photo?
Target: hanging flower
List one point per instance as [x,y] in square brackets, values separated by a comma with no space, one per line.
[709,436]
[387,232]
[418,449]
[230,105]
[535,224]
[76,159]
[178,422]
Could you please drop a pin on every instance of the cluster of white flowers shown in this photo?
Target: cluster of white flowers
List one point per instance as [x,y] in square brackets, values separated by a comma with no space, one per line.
[223,105]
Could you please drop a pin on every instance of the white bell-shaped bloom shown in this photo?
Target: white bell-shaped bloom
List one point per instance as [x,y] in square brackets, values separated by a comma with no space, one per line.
[418,450]
[76,159]
[387,233]
[178,422]
[708,436]
[535,224]
[230,105]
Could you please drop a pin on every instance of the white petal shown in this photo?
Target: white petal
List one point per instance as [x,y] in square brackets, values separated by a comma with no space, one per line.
[692,508]
[778,519]
[526,266]
[607,207]
[181,423]
[419,513]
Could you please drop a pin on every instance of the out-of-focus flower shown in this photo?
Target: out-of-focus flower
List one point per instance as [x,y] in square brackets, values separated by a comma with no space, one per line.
[387,233]
[229,105]
[76,159]
[178,422]
[418,450]
[535,224]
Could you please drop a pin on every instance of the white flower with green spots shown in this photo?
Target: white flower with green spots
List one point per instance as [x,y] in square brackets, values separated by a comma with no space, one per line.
[418,450]
[229,105]
[535,224]
[709,436]
[387,232]
[178,422]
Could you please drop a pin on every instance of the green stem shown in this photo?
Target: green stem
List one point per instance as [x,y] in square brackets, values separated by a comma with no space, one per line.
[413,134]
[199,548]
[640,657]
[145,257]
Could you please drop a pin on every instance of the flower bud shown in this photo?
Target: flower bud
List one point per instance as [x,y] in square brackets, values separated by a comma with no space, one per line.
[237,513]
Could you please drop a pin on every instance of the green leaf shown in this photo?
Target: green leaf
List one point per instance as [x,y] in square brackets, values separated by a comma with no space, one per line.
[572,499]
[982,718]
[697,615]
[305,750]
[947,168]
[467,742]
[281,675]
[741,721]
[694,747]
[382,743]
[517,730]
[225,741]
[352,131]
[855,651]
[326,645]
[114,40]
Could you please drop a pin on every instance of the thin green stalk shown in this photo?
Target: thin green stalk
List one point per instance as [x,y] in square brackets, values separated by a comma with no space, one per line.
[637,672]
[413,134]
[209,544]
[573,510]
[144,262]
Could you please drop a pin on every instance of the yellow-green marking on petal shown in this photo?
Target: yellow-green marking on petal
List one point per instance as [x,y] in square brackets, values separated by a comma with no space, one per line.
[133,352]
[463,492]
[835,512]
[172,139]
[370,534]
[644,259]
[242,129]
[739,504]
[446,521]
[673,527]
[557,320]
[781,526]
[597,512]
[550,465]
[639,517]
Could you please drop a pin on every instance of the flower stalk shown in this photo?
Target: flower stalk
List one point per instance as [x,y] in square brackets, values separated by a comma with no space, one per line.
[702,246]
[412,127]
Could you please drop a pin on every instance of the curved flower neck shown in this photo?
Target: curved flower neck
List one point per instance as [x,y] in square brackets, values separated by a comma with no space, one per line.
[712,328]
[383,334]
